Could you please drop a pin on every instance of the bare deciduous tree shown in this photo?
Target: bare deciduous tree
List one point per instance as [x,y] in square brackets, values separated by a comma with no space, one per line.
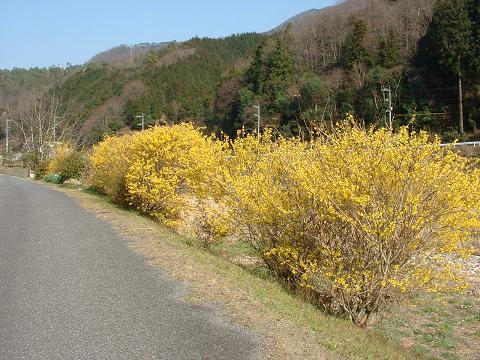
[39,120]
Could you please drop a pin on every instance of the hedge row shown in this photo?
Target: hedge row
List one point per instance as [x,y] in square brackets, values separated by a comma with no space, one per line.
[356,218]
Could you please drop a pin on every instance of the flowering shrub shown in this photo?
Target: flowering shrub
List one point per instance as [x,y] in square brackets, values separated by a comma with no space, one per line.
[109,163]
[356,217]
[167,164]
[67,162]
[205,221]
[360,216]
[61,153]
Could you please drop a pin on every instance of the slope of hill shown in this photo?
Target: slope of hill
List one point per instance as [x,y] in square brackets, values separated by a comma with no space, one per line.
[125,54]
[15,83]
[175,82]
[297,20]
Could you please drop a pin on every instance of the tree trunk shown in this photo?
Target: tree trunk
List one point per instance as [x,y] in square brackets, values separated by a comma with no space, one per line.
[460,103]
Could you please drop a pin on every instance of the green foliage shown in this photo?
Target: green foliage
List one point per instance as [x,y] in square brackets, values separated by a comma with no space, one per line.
[389,51]
[449,50]
[313,92]
[354,50]
[473,9]
[151,58]
[448,39]
[73,166]
[242,109]
[141,105]
[279,72]
[33,161]
[186,88]
[453,43]
[40,169]
[55,178]
[256,72]
[92,87]
[268,79]
[67,163]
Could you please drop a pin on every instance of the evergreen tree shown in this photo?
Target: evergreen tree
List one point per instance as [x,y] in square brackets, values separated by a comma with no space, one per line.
[242,111]
[353,50]
[389,51]
[256,72]
[473,9]
[449,41]
[313,92]
[279,71]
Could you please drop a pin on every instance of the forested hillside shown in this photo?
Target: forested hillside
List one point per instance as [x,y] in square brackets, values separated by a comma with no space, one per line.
[124,54]
[173,84]
[17,82]
[311,71]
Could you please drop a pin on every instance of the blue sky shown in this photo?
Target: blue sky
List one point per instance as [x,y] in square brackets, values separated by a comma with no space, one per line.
[52,32]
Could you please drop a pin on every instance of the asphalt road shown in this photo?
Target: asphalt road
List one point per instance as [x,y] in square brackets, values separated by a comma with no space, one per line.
[70,288]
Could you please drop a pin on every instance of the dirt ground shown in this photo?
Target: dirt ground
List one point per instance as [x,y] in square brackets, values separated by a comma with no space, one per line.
[14,171]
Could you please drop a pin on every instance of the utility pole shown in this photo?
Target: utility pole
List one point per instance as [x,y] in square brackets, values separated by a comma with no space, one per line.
[460,102]
[6,135]
[258,118]
[55,127]
[143,120]
[387,96]
[298,96]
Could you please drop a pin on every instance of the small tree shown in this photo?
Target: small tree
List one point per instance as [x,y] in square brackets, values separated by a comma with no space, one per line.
[40,120]
[279,71]
[256,72]
[389,51]
[314,92]
[354,50]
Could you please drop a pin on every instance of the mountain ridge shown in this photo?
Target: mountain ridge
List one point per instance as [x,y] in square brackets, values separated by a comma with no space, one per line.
[300,17]
[124,52]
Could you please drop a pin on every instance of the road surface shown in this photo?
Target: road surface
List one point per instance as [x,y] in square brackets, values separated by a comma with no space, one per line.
[70,288]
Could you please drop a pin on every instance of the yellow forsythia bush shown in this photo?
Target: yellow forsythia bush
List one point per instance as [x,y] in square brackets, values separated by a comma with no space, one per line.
[167,164]
[356,217]
[68,162]
[109,163]
[359,217]
[61,153]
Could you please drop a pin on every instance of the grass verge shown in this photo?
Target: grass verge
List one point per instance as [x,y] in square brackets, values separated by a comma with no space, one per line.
[443,327]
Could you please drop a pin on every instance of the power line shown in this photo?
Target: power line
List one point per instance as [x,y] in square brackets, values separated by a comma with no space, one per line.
[421,114]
